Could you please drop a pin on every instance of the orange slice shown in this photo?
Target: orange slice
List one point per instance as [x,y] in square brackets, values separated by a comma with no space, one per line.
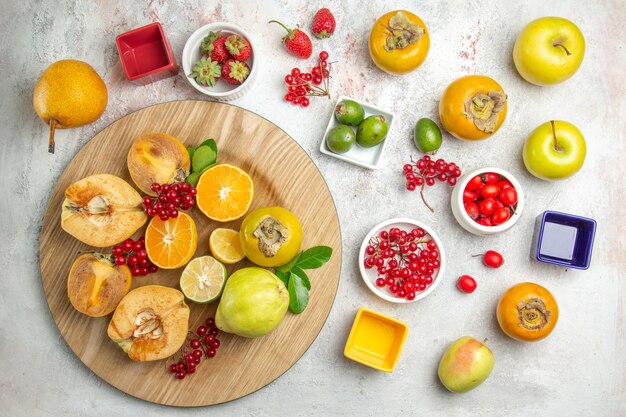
[224,193]
[170,244]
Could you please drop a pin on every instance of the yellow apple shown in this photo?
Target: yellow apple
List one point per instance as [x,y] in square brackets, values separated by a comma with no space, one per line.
[554,150]
[549,50]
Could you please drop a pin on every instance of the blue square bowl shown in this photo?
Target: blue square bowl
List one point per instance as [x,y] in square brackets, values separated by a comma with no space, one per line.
[563,239]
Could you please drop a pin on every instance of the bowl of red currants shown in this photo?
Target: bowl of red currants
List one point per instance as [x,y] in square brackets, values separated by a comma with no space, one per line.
[401,260]
[487,201]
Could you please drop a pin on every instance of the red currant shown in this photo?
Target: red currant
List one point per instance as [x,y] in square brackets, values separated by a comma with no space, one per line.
[323,55]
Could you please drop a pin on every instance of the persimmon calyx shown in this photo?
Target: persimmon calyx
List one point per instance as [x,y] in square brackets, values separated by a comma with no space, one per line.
[483,109]
[533,314]
[402,32]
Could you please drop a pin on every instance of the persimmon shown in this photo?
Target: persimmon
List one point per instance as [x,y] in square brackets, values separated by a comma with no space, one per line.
[527,312]
[473,107]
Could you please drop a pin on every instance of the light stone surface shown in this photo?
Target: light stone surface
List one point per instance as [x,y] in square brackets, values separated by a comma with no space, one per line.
[578,371]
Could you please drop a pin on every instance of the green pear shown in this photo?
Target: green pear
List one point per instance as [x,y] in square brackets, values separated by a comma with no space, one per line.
[466,364]
[253,303]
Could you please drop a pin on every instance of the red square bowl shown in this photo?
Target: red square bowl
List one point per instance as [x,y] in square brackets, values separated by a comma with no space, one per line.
[145,54]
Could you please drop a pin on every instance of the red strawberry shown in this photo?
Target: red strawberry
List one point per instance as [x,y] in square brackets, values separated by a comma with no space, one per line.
[235,72]
[238,47]
[323,24]
[297,42]
[214,47]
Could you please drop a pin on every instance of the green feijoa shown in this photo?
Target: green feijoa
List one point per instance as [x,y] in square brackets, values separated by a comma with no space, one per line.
[340,139]
[427,135]
[202,157]
[349,112]
[192,179]
[372,131]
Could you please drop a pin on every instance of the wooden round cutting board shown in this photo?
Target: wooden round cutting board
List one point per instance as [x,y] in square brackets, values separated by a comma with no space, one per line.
[283,175]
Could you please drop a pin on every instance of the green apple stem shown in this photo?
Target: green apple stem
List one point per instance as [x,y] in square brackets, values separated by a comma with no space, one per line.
[562,46]
[556,144]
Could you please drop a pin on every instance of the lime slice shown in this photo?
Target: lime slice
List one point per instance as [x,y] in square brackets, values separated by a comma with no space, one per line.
[225,245]
[203,279]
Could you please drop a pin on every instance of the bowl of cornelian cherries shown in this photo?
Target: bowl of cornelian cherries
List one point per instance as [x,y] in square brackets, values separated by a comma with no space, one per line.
[487,201]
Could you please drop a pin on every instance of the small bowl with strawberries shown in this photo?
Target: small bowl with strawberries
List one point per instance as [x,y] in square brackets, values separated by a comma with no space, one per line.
[487,201]
[218,60]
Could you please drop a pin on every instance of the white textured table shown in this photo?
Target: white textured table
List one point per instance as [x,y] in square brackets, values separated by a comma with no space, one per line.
[579,370]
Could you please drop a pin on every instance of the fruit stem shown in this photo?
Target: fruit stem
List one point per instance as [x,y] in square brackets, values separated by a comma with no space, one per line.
[562,46]
[289,31]
[485,341]
[556,144]
[53,126]
[424,198]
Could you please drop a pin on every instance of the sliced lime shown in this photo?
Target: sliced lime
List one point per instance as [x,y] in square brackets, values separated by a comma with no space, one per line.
[203,279]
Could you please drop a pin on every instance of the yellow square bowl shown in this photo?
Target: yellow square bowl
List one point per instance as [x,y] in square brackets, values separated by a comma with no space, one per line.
[375,340]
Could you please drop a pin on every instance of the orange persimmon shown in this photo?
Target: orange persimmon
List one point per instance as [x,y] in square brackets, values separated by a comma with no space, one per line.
[527,312]
[473,107]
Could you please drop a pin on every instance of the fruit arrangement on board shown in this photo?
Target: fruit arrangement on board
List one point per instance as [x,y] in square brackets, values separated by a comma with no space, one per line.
[405,259]
[151,322]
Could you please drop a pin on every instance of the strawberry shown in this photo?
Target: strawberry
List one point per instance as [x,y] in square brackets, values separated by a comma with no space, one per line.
[205,72]
[297,42]
[323,24]
[235,72]
[238,47]
[214,47]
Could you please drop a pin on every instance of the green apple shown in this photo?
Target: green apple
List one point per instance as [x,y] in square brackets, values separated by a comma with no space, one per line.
[555,150]
[466,364]
[549,50]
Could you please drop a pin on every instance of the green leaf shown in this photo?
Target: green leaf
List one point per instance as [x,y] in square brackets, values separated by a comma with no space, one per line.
[287,267]
[298,294]
[191,150]
[283,276]
[202,157]
[211,144]
[207,167]
[192,179]
[305,278]
[314,257]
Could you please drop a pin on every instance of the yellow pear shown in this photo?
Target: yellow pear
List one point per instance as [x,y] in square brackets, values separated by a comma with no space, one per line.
[70,93]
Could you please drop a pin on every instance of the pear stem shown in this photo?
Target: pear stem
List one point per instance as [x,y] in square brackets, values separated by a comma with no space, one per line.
[556,144]
[53,126]
[562,46]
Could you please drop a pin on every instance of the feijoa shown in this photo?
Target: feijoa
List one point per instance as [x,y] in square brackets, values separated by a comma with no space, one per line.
[372,131]
[340,139]
[349,113]
[427,135]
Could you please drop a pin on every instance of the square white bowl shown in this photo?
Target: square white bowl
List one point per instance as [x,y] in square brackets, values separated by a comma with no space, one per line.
[358,155]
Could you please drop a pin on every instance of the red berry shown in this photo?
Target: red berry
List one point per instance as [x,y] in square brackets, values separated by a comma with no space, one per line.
[491,178]
[127,245]
[475,183]
[201,330]
[323,55]
[466,284]
[490,191]
[180,375]
[468,196]
[487,207]
[120,260]
[500,216]
[508,196]
[472,210]
[304,102]
[493,259]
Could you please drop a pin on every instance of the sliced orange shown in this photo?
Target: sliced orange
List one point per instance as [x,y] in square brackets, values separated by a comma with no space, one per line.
[170,244]
[224,193]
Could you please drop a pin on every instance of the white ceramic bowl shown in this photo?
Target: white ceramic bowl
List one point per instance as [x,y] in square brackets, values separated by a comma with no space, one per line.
[357,155]
[466,221]
[369,275]
[222,90]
